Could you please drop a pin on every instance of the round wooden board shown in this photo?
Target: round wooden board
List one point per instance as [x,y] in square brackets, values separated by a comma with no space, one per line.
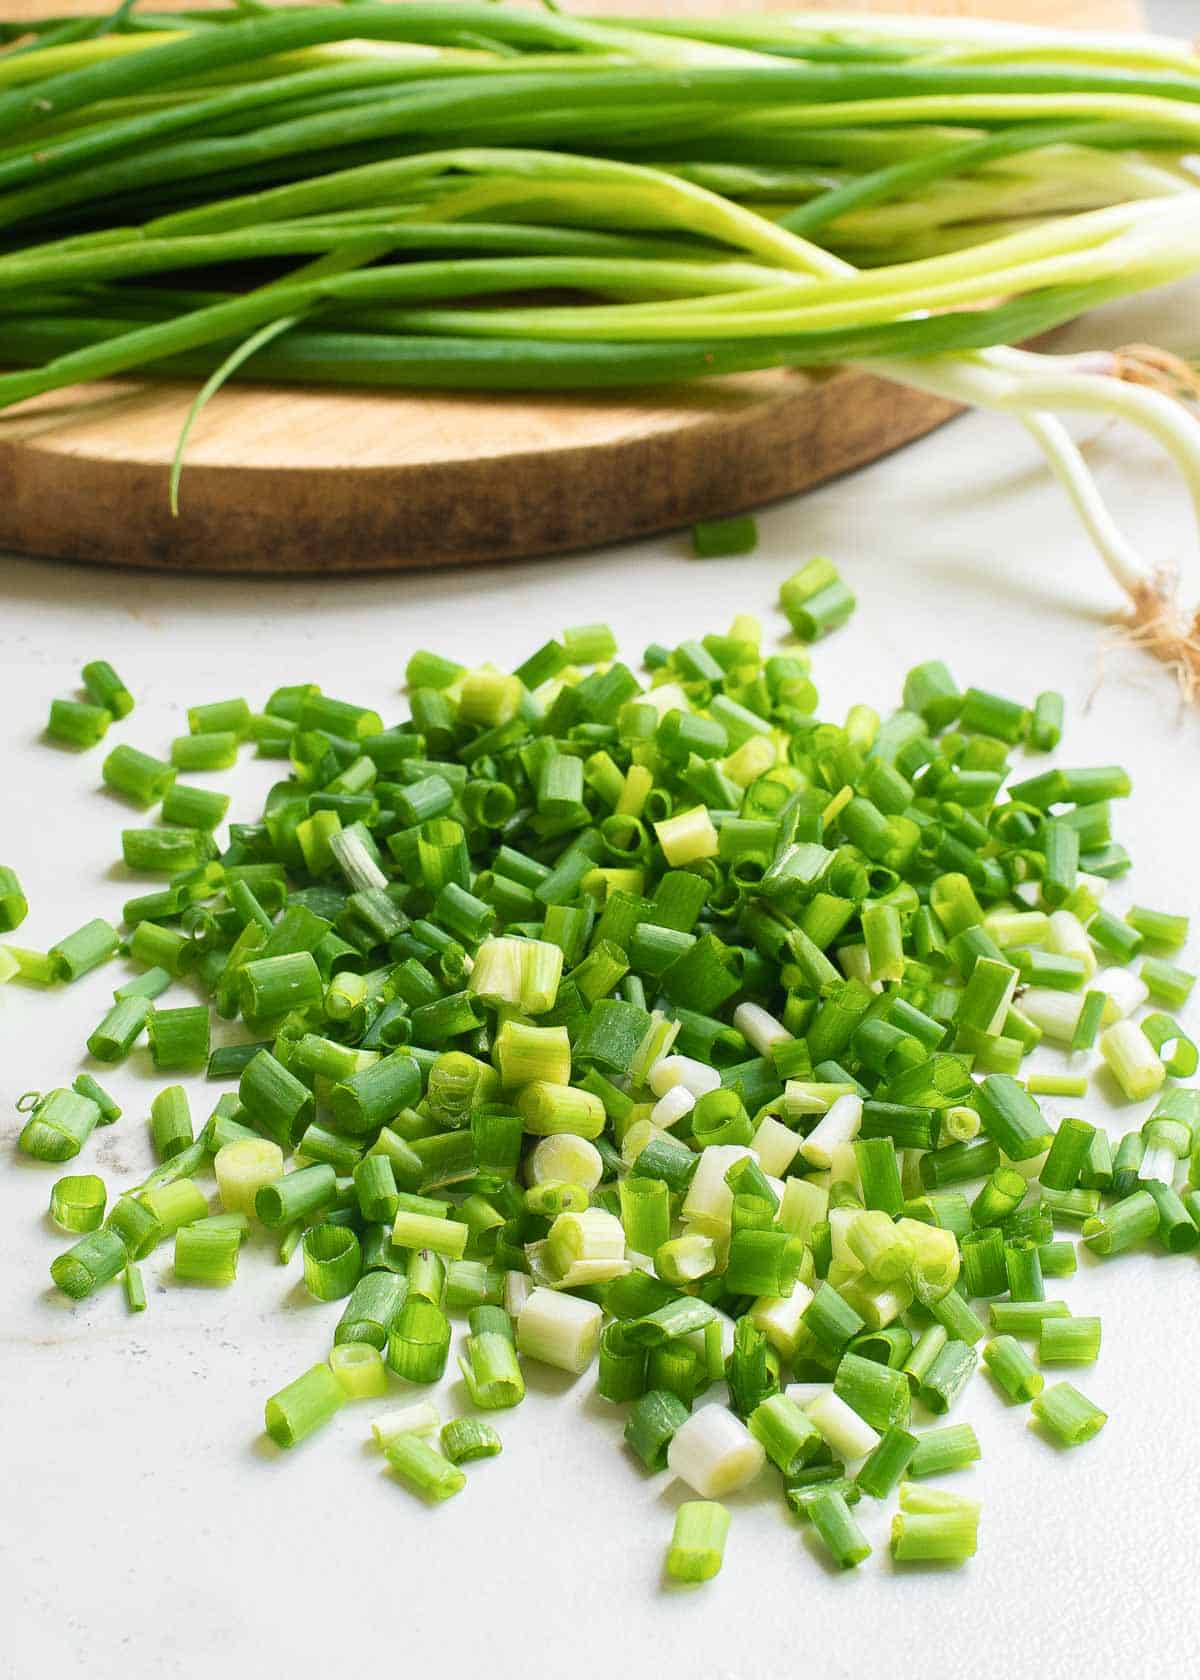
[297,481]
[282,480]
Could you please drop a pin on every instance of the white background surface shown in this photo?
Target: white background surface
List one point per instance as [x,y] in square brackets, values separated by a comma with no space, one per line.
[147,1528]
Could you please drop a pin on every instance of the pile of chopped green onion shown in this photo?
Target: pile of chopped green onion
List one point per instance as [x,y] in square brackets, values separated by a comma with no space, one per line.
[656,1026]
[485,197]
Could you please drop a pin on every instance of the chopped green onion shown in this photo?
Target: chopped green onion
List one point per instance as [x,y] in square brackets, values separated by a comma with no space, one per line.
[332,1261]
[422,1469]
[303,1406]
[77,723]
[466,1439]
[207,1252]
[77,1204]
[1067,1416]
[95,1260]
[359,1368]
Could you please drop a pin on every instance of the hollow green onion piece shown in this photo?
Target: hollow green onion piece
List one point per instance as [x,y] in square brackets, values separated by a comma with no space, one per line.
[32,968]
[59,1125]
[207,1252]
[170,1122]
[419,1341]
[303,1406]
[491,1371]
[423,1470]
[942,1450]
[85,949]
[697,1548]
[1046,723]
[96,1259]
[106,689]
[233,715]
[120,1029]
[883,1468]
[14,906]
[179,1039]
[297,1195]
[844,1540]
[77,723]
[1024,1318]
[1012,1367]
[786,1432]
[651,1426]
[193,807]
[466,1439]
[1132,1060]
[879,1394]
[941,1537]
[212,750]
[1069,1341]
[332,1258]
[1158,927]
[420,1418]
[1067,1416]
[1122,1224]
[141,778]
[947,1376]
[77,1204]
[359,1368]
[372,1309]
[715,538]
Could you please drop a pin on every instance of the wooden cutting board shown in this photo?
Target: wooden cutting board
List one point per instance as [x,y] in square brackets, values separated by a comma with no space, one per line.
[280,480]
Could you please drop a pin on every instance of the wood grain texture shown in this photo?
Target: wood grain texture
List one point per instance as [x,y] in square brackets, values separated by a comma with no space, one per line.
[282,480]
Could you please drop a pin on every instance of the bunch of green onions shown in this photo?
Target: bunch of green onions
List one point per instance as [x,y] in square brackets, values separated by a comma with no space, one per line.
[658,1026]
[493,198]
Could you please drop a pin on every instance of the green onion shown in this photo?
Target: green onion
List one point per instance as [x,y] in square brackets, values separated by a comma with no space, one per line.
[948,1375]
[885,1466]
[466,1439]
[141,778]
[372,1309]
[135,1288]
[422,1469]
[171,1122]
[832,1519]
[207,1252]
[179,1040]
[14,906]
[303,1406]
[95,1260]
[942,1537]
[697,1548]
[59,1125]
[359,1368]
[120,1029]
[673,1053]
[332,1261]
[87,948]
[419,1340]
[941,1450]
[106,689]
[1012,1367]
[1069,1341]
[1067,1416]
[77,723]
[77,1204]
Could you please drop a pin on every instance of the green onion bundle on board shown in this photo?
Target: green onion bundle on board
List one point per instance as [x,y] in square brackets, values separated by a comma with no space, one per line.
[663,1027]
[708,195]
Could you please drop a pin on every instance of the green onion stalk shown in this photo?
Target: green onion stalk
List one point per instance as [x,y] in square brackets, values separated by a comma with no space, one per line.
[668,199]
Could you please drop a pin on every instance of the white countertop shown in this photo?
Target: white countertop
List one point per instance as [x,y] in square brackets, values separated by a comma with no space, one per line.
[147,1529]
